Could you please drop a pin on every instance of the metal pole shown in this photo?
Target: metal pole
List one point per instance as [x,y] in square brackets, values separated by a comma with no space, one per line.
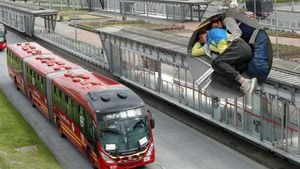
[115,10]
[276,29]
[50,4]
[254,8]
[74,20]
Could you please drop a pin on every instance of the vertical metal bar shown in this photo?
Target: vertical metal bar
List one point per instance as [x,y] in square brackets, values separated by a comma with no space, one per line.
[160,83]
[147,9]
[173,11]
[179,85]
[286,110]
[261,115]
[298,123]
[245,115]
[282,126]
[235,112]
[272,124]
[199,15]
[226,111]
[185,79]
[194,106]
[129,59]
[167,11]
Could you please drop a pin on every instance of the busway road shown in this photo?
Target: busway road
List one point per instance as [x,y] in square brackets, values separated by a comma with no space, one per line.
[178,146]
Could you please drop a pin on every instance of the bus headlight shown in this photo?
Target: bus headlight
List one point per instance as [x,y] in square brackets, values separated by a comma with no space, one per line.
[106,158]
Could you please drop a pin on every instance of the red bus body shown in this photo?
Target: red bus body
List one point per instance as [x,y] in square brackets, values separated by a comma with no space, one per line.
[15,63]
[92,111]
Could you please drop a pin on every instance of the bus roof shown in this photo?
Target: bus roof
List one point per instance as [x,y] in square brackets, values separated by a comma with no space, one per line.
[26,49]
[83,81]
[49,64]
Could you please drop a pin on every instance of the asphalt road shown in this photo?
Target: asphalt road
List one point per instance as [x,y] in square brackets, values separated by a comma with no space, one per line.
[177,145]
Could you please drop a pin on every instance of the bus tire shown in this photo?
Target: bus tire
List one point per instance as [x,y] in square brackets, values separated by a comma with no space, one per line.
[60,132]
[89,155]
[16,83]
[31,100]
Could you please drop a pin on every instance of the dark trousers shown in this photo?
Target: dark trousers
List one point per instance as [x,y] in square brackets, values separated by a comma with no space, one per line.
[234,60]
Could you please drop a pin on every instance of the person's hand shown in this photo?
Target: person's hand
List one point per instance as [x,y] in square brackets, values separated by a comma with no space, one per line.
[229,43]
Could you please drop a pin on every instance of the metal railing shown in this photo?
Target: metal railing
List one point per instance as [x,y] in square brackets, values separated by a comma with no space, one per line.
[282,25]
[83,50]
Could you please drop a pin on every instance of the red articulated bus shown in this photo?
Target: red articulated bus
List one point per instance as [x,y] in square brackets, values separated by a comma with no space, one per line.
[105,120]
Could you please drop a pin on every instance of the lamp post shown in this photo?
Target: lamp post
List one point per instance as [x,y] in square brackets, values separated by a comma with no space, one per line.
[74,20]
[276,29]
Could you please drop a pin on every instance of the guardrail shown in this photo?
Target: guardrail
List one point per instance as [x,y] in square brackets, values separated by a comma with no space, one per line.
[282,25]
[81,49]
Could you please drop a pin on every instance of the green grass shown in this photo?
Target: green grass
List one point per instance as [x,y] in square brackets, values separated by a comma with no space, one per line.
[15,132]
[287,51]
[91,26]
[284,34]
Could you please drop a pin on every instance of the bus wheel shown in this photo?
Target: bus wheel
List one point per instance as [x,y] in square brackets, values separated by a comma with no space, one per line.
[16,83]
[31,100]
[89,155]
[60,132]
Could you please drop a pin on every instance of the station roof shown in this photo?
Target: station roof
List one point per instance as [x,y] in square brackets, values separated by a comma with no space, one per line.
[152,38]
[28,8]
[204,2]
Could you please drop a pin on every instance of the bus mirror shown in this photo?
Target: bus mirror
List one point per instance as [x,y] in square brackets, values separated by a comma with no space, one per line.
[152,121]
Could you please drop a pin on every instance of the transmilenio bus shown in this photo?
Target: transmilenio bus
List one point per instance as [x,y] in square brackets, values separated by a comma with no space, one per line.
[104,119]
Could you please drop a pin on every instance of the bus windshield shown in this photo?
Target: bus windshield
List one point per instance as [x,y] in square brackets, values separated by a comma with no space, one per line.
[124,132]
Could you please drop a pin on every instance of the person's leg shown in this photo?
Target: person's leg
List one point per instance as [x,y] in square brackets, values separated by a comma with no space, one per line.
[231,62]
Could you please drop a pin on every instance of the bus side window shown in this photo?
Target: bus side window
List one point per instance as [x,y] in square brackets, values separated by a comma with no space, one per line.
[76,115]
[60,99]
[54,95]
[89,127]
[43,85]
[81,118]
[70,107]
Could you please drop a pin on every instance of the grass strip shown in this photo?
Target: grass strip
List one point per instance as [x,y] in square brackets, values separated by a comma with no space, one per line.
[15,133]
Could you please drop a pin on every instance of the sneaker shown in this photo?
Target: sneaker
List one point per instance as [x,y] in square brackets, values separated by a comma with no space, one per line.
[248,86]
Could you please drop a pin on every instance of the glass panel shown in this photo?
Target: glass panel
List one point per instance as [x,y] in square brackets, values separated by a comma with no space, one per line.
[292,127]
[278,122]
[168,87]
[267,123]
[256,119]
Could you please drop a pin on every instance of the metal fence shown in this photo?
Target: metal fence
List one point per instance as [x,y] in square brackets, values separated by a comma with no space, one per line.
[81,49]
[282,25]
